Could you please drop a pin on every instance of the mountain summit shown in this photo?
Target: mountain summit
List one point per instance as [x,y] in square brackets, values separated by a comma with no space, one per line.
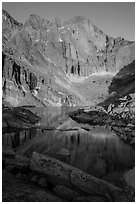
[48,62]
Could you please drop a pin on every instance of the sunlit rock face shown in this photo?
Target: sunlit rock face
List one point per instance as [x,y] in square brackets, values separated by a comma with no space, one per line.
[41,56]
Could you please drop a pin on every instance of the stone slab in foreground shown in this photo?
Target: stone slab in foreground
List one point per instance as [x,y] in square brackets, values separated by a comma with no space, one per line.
[57,171]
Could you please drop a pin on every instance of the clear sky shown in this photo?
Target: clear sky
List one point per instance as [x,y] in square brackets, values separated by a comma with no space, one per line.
[114,18]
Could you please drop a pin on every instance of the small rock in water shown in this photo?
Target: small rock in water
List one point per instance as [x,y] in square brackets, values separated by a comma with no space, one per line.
[123,99]
[108,120]
[34,178]
[127,129]
[65,192]
[22,159]
[130,125]
[64,151]
[133,133]
[42,182]
[132,141]
[130,178]
[117,129]
[110,107]
[8,152]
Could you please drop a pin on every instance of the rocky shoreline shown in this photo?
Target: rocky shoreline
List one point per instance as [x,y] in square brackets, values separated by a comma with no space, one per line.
[46,179]
[43,178]
[120,118]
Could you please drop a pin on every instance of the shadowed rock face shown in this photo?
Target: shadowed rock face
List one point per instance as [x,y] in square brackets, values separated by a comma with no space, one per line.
[122,85]
[41,56]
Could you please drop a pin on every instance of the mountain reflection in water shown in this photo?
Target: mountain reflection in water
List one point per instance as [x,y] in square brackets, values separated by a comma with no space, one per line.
[97,151]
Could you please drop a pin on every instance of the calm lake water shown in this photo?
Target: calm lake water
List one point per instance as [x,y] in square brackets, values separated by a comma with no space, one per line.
[97,151]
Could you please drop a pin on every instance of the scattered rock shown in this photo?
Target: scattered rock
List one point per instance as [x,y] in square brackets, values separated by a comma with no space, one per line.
[127,129]
[20,158]
[117,129]
[130,178]
[65,192]
[109,120]
[6,152]
[110,108]
[123,99]
[17,162]
[64,152]
[132,141]
[133,133]
[34,178]
[130,125]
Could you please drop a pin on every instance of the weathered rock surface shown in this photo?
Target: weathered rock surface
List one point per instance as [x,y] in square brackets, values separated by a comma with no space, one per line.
[67,182]
[56,171]
[46,62]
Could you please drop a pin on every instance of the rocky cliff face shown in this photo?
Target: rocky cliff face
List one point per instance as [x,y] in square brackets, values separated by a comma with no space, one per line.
[122,85]
[46,62]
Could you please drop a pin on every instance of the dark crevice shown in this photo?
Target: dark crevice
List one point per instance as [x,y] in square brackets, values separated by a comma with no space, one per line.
[78,68]
[72,71]
[16,73]
[77,54]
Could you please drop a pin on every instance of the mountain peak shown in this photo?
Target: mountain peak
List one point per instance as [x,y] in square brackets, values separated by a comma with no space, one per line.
[7,17]
[75,20]
[47,56]
[36,22]
[34,17]
[4,12]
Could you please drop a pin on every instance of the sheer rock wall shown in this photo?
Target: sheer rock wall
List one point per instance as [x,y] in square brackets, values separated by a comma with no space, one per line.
[43,53]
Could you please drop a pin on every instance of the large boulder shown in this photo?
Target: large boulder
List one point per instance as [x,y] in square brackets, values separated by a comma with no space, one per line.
[64,174]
